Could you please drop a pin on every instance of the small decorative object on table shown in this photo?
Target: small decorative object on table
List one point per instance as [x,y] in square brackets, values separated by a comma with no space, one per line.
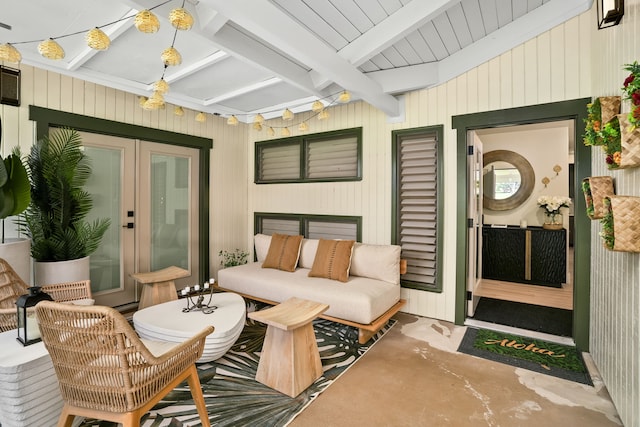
[28,331]
[552,205]
[200,292]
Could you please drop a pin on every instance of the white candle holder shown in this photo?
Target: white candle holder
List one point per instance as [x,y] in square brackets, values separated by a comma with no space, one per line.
[200,293]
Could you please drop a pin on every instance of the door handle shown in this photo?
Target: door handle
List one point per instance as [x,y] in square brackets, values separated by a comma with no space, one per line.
[128,225]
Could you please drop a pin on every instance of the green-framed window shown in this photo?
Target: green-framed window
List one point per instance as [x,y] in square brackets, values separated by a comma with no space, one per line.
[310,226]
[417,204]
[320,157]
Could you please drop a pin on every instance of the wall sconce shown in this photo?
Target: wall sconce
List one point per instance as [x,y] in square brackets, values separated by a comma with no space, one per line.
[610,12]
[28,330]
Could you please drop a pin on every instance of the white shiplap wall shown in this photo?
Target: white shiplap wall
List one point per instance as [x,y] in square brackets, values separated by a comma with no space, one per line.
[551,67]
[615,276]
[228,176]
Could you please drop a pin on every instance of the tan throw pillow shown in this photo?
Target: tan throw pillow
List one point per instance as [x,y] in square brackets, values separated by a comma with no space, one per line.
[333,259]
[283,253]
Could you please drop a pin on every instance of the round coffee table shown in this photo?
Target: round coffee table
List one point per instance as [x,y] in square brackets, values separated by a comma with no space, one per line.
[167,322]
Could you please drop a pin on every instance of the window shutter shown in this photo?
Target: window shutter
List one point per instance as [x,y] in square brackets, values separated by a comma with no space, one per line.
[280,226]
[279,162]
[332,230]
[417,207]
[336,158]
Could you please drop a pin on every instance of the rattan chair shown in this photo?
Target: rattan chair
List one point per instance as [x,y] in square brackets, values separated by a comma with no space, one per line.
[106,371]
[12,286]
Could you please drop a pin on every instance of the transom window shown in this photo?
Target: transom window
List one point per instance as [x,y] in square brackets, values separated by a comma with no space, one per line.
[310,226]
[328,156]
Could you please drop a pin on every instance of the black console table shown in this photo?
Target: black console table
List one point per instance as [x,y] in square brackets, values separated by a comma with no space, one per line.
[531,255]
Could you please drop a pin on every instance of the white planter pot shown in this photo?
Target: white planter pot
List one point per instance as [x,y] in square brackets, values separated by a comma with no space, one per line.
[46,273]
[17,252]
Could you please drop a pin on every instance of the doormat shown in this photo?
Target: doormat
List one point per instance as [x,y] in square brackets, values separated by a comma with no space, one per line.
[549,320]
[536,355]
[233,396]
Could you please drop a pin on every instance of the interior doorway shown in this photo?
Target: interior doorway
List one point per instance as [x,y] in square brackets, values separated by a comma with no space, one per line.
[574,110]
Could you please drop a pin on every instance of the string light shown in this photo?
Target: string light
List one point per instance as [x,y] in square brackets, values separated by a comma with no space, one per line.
[178,111]
[146,22]
[233,121]
[257,126]
[317,106]
[200,117]
[161,86]
[9,53]
[181,19]
[344,97]
[303,127]
[285,132]
[97,39]
[50,49]
[287,115]
[259,118]
[271,132]
[324,114]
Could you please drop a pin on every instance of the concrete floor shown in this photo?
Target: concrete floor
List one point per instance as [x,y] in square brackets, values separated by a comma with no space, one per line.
[414,376]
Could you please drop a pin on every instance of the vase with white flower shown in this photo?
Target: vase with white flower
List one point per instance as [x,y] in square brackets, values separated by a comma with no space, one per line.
[551,206]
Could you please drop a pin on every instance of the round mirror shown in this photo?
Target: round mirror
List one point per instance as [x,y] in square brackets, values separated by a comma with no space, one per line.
[508,180]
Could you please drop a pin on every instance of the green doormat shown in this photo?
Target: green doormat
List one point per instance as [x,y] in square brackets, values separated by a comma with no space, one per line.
[545,357]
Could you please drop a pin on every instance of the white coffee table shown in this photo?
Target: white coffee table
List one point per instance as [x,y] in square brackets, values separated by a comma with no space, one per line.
[167,322]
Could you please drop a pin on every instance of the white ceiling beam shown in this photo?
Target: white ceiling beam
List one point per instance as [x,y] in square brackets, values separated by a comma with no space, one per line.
[268,22]
[406,79]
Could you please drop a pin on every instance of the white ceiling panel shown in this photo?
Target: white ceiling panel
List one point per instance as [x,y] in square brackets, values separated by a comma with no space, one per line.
[248,56]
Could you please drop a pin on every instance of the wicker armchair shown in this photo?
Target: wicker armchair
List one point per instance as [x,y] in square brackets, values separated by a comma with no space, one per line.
[106,371]
[12,286]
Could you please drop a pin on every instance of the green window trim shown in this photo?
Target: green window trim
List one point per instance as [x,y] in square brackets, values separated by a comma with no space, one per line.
[398,136]
[304,143]
[304,221]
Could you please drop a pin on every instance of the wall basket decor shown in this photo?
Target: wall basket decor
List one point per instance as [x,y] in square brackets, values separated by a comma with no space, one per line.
[621,223]
[629,142]
[603,128]
[595,189]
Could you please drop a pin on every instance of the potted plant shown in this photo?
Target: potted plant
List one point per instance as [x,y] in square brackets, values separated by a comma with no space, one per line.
[55,218]
[15,195]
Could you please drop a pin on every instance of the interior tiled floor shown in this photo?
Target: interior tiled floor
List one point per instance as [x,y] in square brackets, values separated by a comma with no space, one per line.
[414,376]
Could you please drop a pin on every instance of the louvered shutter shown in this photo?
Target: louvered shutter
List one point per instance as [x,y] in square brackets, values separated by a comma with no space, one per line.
[417,207]
[280,226]
[332,230]
[337,158]
[279,162]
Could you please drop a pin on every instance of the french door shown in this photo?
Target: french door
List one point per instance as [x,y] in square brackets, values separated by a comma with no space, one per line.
[149,191]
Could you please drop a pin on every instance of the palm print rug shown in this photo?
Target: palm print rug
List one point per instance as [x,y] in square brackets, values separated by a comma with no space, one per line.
[233,396]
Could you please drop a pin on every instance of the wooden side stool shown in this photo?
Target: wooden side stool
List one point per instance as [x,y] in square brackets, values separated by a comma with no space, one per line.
[290,361]
[158,286]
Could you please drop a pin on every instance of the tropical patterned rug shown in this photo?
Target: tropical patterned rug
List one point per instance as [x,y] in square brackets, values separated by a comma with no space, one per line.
[545,357]
[232,395]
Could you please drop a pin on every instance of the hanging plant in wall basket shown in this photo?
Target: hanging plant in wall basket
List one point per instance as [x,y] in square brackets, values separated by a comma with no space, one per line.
[630,122]
[621,223]
[595,189]
[603,128]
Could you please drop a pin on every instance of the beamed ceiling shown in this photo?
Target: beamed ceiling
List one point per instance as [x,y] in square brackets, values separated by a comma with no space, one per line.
[244,57]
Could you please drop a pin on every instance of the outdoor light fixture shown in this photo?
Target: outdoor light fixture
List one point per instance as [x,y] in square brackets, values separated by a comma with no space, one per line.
[610,12]
[28,331]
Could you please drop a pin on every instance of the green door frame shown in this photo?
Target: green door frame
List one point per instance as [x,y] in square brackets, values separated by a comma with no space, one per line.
[575,110]
[46,118]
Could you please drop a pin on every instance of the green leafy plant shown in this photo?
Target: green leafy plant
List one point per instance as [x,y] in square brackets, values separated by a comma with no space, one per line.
[586,189]
[15,191]
[230,259]
[606,136]
[631,88]
[607,233]
[55,218]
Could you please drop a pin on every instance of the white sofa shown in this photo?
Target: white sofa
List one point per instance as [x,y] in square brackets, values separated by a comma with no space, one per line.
[367,300]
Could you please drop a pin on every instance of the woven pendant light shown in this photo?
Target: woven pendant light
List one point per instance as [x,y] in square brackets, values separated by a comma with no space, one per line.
[317,106]
[51,49]
[200,117]
[161,86]
[344,97]
[181,19]
[142,100]
[9,53]
[259,118]
[324,114]
[271,132]
[155,102]
[285,132]
[147,22]
[171,56]
[233,121]
[97,39]
[287,115]
[178,111]
[303,127]
[257,126]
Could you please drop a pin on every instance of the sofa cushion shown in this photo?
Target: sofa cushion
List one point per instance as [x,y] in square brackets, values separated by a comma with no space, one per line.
[308,253]
[283,253]
[261,243]
[333,259]
[380,262]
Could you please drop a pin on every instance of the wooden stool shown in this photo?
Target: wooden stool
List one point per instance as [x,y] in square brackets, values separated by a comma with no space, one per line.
[158,286]
[290,361]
